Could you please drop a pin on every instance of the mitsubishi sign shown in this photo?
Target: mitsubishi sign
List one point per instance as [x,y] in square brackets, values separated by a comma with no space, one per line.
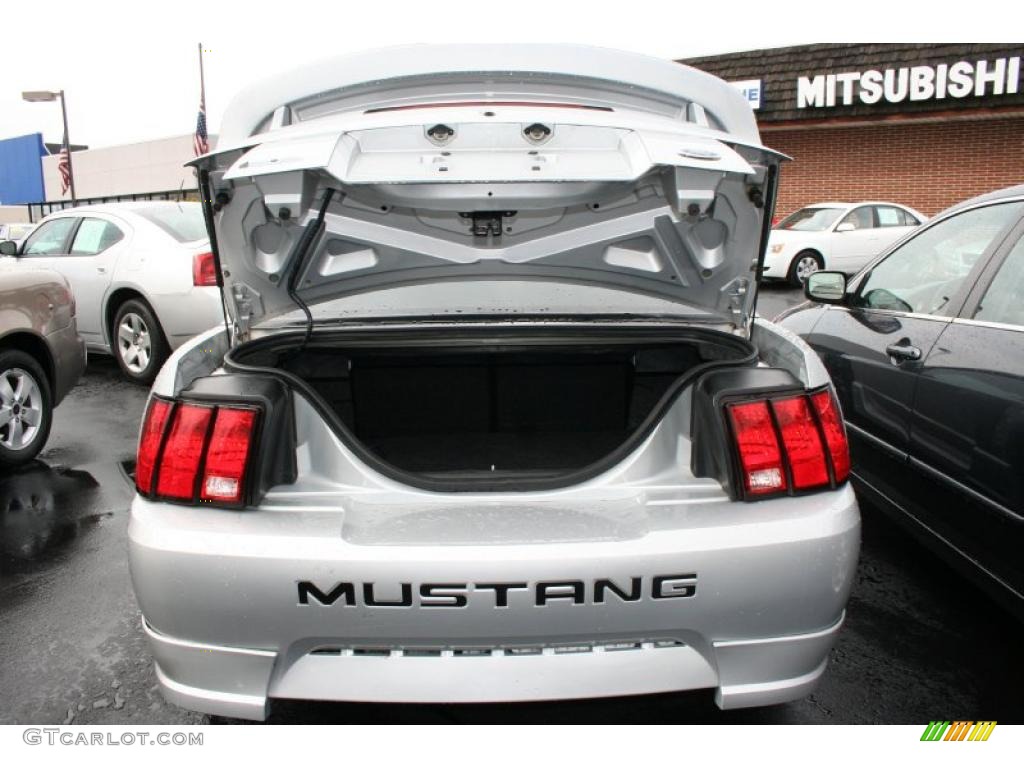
[921,83]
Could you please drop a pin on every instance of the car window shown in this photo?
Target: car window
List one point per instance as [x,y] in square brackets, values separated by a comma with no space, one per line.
[1004,299]
[924,273]
[50,238]
[810,219]
[184,222]
[888,216]
[94,236]
[861,218]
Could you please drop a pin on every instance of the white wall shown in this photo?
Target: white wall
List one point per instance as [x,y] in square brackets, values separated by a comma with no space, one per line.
[13,214]
[149,166]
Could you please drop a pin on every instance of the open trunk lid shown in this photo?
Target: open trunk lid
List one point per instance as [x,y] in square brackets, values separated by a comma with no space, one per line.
[424,165]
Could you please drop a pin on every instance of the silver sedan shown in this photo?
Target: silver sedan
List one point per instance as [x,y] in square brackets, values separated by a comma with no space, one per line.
[142,274]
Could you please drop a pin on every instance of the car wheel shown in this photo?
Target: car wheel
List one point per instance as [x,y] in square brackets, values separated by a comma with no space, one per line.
[26,408]
[804,264]
[138,343]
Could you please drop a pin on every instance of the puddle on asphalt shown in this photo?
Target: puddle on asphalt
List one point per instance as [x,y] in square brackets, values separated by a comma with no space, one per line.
[42,510]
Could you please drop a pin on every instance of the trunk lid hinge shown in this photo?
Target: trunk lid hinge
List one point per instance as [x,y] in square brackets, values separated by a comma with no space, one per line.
[248,304]
[736,296]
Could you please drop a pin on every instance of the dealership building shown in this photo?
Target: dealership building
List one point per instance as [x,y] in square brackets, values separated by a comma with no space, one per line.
[925,125]
[30,183]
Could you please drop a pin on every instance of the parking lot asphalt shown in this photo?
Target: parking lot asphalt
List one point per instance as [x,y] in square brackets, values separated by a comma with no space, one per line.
[919,643]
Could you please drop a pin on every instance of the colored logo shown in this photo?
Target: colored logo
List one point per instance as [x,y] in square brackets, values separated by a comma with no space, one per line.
[958,730]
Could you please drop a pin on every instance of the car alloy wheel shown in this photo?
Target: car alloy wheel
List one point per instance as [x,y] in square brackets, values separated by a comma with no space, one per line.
[134,343]
[805,267]
[21,409]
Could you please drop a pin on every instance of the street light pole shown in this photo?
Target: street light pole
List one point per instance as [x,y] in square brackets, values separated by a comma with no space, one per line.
[53,96]
[67,138]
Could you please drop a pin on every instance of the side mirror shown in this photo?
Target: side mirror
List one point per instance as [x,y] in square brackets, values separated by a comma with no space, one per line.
[846,226]
[826,287]
[8,248]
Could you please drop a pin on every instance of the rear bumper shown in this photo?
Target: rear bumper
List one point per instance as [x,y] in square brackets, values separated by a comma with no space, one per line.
[237,682]
[229,630]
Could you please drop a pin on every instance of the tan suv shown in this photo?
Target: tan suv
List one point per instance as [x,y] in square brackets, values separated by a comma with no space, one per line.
[41,358]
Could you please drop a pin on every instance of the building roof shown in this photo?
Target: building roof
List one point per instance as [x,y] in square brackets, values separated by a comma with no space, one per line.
[779,69]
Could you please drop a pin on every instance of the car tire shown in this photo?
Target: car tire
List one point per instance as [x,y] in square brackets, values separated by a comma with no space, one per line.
[137,341]
[26,408]
[804,264]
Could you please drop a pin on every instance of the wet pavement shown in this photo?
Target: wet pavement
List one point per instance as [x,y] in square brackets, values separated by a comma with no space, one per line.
[919,643]
[69,626]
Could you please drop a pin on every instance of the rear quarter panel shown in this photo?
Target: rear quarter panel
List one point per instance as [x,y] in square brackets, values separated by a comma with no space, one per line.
[33,300]
[780,347]
[160,270]
[155,264]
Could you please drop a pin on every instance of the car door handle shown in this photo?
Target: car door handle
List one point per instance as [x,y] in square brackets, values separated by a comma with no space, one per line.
[903,352]
[101,270]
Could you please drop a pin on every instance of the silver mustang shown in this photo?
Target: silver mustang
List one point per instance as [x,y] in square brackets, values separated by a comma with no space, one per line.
[491,417]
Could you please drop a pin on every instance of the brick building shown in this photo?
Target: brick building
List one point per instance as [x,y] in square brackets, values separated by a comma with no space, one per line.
[925,125]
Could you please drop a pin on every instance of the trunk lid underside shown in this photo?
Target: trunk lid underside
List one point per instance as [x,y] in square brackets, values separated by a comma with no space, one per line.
[529,177]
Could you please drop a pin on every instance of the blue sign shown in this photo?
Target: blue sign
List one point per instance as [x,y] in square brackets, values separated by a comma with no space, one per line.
[21,170]
[751,90]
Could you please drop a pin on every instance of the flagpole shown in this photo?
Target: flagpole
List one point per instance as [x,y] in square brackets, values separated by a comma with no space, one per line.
[67,144]
[202,78]
[202,105]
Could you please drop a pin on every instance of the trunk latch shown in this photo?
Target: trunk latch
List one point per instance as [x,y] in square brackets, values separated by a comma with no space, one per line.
[487,223]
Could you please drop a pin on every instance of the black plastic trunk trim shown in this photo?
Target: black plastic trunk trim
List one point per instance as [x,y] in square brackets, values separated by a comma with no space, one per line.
[500,481]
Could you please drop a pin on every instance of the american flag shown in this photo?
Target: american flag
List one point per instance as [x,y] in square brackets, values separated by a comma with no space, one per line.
[64,166]
[200,144]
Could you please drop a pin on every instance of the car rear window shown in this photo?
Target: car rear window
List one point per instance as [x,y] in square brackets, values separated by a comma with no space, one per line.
[183,222]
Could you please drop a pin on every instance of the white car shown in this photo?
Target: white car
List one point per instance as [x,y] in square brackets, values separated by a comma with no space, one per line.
[839,236]
[142,273]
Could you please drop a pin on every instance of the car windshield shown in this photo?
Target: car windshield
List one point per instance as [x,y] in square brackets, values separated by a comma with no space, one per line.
[183,222]
[811,219]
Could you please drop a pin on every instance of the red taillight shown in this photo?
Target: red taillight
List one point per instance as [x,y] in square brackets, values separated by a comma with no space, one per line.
[802,442]
[149,443]
[179,465]
[205,455]
[758,446]
[204,271]
[788,443]
[835,433]
[228,456]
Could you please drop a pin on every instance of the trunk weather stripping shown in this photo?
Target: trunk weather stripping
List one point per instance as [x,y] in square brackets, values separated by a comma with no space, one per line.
[497,481]
[312,232]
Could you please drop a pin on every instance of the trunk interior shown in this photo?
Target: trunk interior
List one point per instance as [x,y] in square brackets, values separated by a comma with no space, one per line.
[481,407]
